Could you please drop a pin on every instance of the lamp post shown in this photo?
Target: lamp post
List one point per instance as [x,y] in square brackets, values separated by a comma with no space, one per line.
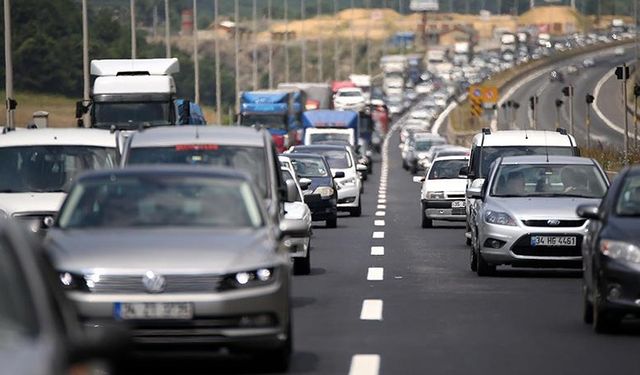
[217,56]
[8,67]
[132,11]
[85,58]
[589,99]
[167,29]
[558,103]
[196,62]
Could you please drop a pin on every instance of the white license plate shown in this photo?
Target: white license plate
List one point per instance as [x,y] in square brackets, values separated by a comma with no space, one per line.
[127,311]
[553,241]
[457,204]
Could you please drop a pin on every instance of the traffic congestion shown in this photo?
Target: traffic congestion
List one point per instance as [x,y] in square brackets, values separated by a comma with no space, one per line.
[145,238]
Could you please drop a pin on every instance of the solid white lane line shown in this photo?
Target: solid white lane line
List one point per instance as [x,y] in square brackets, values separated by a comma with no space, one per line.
[380,213]
[378,223]
[378,234]
[377,250]
[371,309]
[365,364]
[381,207]
[375,274]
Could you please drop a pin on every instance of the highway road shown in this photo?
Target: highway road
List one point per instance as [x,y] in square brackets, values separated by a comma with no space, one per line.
[424,311]
[604,120]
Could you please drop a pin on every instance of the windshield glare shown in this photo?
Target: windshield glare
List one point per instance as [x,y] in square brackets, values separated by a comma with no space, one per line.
[329,137]
[270,121]
[446,169]
[131,114]
[247,159]
[308,167]
[629,198]
[337,159]
[158,201]
[522,180]
[427,144]
[46,169]
[490,154]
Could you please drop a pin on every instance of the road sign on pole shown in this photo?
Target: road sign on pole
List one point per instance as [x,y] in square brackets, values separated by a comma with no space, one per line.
[475,100]
[424,5]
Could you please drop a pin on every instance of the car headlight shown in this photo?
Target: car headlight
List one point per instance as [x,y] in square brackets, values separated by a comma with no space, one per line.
[248,279]
[620,250]
[435,195]
[422,155]
[500,218]
[71,281]
[351,181]
[324,191]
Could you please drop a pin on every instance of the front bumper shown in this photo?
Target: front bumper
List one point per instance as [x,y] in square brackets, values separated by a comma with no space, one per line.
[323,209]
[348,197]
[298,246]
[511,245]
[440,209]
[251,319]
[619,282]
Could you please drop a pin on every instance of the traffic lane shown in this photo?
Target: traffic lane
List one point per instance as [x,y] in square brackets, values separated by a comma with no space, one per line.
[439,317]
[326,304]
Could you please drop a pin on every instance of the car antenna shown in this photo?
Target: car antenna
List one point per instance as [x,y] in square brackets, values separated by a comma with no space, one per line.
[546,146]
[197,133]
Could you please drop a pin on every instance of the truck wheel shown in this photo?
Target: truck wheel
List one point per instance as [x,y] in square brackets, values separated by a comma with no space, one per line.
[302,266]
[357,212]
[332,222]
[426,222]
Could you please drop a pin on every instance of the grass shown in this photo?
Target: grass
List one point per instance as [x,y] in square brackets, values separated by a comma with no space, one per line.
[611,159]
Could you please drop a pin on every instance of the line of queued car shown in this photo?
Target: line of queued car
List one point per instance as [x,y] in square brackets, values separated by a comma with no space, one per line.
[529,200]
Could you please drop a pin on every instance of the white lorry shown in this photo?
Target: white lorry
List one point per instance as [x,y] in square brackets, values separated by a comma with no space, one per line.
[394,68]
[362,81]
[462,53]
[129,94]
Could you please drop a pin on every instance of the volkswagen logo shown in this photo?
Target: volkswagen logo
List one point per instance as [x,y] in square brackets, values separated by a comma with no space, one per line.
[153,282]
[553,222]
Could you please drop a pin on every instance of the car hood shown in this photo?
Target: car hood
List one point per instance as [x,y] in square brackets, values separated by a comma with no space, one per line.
[13,203]
[448,185]
[163,250]
[540,207]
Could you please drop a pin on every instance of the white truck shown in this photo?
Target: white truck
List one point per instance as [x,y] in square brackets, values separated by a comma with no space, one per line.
[508,46]
[462,53]
[394,69]
[362,81]
[129,94]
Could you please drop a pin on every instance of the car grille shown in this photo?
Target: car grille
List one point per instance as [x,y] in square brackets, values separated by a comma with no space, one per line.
[523,247]
[124,284]
[558,224]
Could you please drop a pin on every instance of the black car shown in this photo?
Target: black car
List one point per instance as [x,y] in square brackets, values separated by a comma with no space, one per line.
[39,327]
[322,195]
[611,254]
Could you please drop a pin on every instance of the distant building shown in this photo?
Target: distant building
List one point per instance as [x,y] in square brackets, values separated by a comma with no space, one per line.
[458,34]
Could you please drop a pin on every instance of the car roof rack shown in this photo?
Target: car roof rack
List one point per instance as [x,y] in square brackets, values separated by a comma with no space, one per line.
[562,131]
[486,130]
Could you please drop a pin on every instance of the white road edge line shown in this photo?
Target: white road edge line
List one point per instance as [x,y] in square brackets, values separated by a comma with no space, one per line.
[371,309]
[377,250]
[375,274]
[365,364]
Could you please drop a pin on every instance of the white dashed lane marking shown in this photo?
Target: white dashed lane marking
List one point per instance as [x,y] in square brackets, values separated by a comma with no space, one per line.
[377,250]
[375,274]
[378,234]
[380,213]
[378,223]
[371,309]
[365,364]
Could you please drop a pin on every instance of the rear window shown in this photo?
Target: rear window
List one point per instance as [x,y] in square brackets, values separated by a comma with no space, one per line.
[483,157]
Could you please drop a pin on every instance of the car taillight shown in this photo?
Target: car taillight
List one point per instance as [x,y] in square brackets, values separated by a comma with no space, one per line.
[208,147]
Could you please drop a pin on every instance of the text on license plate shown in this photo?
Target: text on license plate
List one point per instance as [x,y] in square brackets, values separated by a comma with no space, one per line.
[457,204]
[180,310]
[553,241]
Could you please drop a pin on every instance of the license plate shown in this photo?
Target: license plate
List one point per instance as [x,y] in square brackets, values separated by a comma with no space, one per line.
[127,311]
[553,241]
[457,204]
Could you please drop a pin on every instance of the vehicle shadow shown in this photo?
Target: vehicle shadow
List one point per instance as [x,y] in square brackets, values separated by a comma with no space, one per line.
[298,302]
[538,273]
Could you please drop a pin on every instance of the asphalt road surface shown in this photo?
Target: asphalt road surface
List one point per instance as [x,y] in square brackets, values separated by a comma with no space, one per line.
[425,311]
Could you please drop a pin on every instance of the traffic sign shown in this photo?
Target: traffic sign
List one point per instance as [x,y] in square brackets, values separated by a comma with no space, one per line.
[424,5]
[476,100]
[490,94]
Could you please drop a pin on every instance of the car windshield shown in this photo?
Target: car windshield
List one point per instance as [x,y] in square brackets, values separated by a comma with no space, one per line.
[46,169]
[17,318]
[426,144]
[309,167]
[330,137]
[247,159]
[337,159]
[160,201]
[269,121]
[131,114]
[349,93]
[446,169]
[629,198]
[490,154]
[546,180]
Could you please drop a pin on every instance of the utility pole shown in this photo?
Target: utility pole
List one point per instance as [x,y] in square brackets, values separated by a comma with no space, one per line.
[167,29]
[385,5]
[559,103]
[353,45]
[85,59]
[303,43]
[368,42]
[573,4]
[217,56]
[196,62]
[533,104]
[8,67]
[336,63]
[286,41]
[320,57]
[622,73]
[589,99]
[270,63]
[254,52]
[236,37]
[132,11]
[568,92]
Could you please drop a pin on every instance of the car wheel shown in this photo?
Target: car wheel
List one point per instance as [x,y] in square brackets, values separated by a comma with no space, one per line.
[587,306]
[473,260]
[405,166]
[426,222]
[332,222]
[468,239]
[357,212]
[278,360]
[414,169]
[482,267]
[604,321]
[302,266]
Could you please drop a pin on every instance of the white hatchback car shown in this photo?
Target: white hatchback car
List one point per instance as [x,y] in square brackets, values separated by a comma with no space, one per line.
[349,98]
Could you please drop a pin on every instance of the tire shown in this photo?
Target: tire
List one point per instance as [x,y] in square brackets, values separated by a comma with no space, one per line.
[332,222]
[473,260]
[302,266]
[426,222]
[483,268]
[357,212]
[587,307]
[405,166]
[278,360]
[468,240]
[603,321]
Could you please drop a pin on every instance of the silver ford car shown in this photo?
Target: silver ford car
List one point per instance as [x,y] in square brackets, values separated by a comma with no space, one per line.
[526,211]
[183,256]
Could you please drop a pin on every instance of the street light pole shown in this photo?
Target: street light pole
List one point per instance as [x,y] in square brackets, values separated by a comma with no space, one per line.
[353,46]
[320,57]
[167,29]
[8,66]
[336,66]
[286,41]
[270,45]
[303,43]
[85,58]
[626,117]
[132,11]
[368,42]
[196,62]
[589,99]
[254,52]
[236,37]
[217,56]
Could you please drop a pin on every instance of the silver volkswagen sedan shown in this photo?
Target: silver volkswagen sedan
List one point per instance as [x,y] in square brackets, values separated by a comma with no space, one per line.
[526,211]
[184,256]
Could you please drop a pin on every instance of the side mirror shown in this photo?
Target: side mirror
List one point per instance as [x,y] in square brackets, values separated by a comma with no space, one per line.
[474,192]
[80,109]
[361,168]
[304,183]
[464,172]
[418,179]
[293,228]
[588,211]
[292,190]
[339,174]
